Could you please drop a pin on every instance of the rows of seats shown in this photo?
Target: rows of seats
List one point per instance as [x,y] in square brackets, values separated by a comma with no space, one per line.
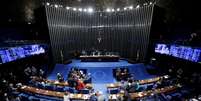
[128,85]
[57,85]
[42,85]
[36,97]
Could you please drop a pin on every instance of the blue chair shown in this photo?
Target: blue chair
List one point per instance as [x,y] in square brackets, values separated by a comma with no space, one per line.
[48,98]
[49,87]
[113,91]
[41,86]
[140,89]
[59,88]
[84,91]
[33,98]
[24,97]
[72,90]
[149,87]
[66,89]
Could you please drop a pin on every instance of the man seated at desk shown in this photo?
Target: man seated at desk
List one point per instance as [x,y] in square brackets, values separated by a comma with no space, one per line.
[118,74]
[122,74]
[125,74]
[133,86]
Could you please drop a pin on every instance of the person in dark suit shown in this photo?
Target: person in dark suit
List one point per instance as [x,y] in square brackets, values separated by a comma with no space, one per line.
[93,98]
[60,77]
[125,74]
[118,74]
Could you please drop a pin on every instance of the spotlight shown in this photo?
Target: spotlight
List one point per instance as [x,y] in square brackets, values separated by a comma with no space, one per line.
[131,7]
[90,10]
[47,3]
[145,4]
[138,6]
[125,8]
[80,9]
[74,9]
[150,3]
[56,6]
[85,10]
[108,10]
[112,10]
[29,23]
[67,8]
[60,6]
[118,9]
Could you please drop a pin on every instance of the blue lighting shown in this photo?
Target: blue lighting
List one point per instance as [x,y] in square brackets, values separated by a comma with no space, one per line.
[183,52]
[15,53]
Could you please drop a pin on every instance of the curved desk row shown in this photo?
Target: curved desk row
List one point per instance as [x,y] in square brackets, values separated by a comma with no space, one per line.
[153,92]
[55,82]
[141,82]
[134,96]
[34,90]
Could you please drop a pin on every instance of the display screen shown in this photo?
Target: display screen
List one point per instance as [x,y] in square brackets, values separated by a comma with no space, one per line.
[184,52]
[14,53]
[162,49]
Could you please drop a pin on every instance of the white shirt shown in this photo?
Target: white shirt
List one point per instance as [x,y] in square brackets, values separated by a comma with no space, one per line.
[66,98]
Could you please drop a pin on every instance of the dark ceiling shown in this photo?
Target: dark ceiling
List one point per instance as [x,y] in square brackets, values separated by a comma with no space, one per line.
[177,11]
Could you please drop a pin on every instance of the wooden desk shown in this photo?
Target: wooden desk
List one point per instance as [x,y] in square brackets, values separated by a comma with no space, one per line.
[99,58]
[53,93]
[112,97]
[55,82]
[141,82]
[138,95]
[152,92]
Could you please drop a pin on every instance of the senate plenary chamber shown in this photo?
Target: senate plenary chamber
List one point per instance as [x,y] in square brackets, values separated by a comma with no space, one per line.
[100,50]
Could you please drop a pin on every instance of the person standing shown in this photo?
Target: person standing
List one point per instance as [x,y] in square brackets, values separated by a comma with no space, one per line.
[33,71]
[66,96]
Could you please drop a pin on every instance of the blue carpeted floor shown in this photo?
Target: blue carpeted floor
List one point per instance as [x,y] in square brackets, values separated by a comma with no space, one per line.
[101,71]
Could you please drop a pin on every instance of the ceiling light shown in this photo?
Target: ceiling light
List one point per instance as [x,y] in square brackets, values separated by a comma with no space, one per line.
[90,10]
[138,6]
[47,3]
[131,7]
[80,9]
[112,10]
[85,10]
[125,8]
[67,7]
[118,9]
[56,6]
[74,9]
[150,3]
[145,4]
[108,10]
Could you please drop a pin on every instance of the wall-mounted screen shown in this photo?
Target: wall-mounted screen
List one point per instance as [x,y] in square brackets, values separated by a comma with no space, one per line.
[162,49]
[184,52]
[14,53]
